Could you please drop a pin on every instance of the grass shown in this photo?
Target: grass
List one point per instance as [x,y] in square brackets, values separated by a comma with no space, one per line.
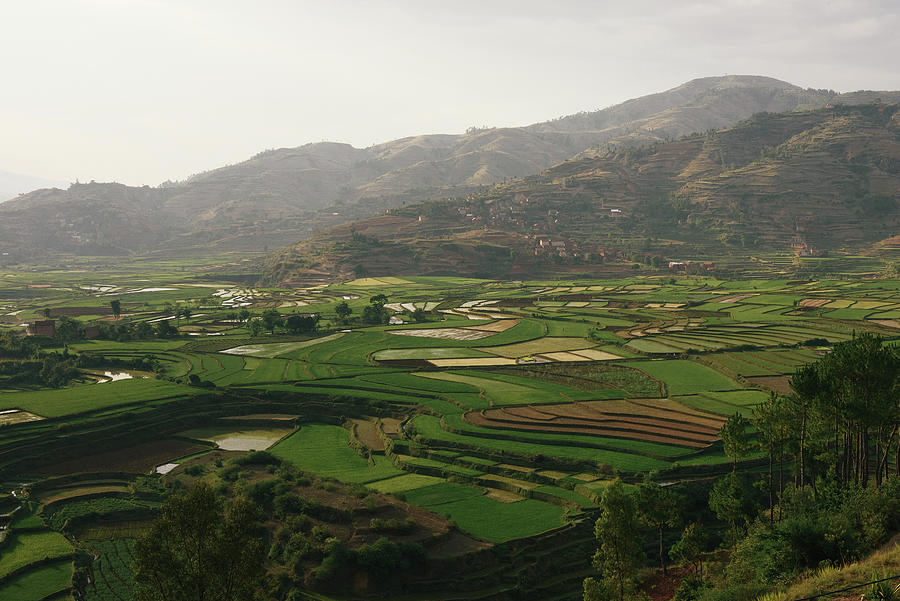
[446,492]
[430,428]
[276,349]
[323,450]
[113,578]
[506,392]
[540,345]
[498,522]
[885,562]
[404,483]
[38,583]
[590,377]
[684,377]
[25,548]
[90,397]
[427,353]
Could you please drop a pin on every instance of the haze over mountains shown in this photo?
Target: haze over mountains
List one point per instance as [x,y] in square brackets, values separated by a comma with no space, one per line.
[281,196]
[804,182]
[13,184]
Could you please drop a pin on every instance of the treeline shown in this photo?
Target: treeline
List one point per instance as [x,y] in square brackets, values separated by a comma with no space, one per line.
[830,494]
[23,362]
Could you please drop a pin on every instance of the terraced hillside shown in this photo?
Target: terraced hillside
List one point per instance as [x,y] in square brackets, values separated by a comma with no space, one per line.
[807,184]
[476,431]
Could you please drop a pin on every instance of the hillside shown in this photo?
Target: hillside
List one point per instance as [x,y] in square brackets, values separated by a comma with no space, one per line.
[810,182]
[281,196]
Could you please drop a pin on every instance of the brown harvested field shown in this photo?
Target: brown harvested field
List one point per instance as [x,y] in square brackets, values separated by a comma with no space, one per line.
[273,417]
[472,362]
[524,484]
[670,405]
[367,433]
[391,425]
[637,409]
[888,323]
[621,429]
[500,325]
[565,423]
[734,299]
[529,413]
[516,468]
[79,311]
[657,420]
[595,355]
[454,544]
[814,302]
[562,356]
[542,346]
[51,496]
[444,333]
[503,496]
[14,416]
[139,459]
[780,384]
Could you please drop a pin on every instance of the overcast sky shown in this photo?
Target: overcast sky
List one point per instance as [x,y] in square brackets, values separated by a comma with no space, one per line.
[141,91]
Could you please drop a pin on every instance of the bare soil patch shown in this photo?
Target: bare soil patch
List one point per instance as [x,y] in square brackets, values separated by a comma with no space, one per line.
[139,459]
[367,433]
[780,384]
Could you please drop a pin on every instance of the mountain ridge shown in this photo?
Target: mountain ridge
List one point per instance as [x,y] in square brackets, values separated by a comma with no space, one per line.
[280,196]
[804,182]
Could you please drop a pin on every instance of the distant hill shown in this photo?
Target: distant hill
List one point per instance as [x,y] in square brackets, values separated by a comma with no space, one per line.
[13,184]
[281,196]
[807,182]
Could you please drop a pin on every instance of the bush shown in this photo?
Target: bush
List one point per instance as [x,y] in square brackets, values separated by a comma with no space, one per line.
[691,588]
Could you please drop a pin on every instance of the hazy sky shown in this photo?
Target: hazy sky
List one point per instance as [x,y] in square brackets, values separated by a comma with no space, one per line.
[140,91]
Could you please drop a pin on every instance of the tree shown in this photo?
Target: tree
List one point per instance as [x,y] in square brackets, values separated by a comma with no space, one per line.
[255,326]
[343,311]
[271,319]
[688,551]
[658,507]
[419,315]
[186,313]
[735,440]
[302,323]
[164,329]
[375,313]
[244,314]
[200,550]
[846,402]
[68,330]
[731,502]
[617,558]
[116,306]
[772,420]
[143,330]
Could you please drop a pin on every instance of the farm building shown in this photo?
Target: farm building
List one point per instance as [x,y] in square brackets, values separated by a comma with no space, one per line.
[42,328]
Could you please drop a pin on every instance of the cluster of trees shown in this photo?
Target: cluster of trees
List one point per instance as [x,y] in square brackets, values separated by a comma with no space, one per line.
[831,493]
[200,549]
[123,332]
[271,319]
[375,312]
[24,362]
[205,548]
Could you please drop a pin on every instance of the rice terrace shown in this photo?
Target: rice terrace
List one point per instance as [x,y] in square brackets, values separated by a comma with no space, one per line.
[472,428]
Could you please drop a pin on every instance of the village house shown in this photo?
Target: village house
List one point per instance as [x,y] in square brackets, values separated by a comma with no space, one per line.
[41,328]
